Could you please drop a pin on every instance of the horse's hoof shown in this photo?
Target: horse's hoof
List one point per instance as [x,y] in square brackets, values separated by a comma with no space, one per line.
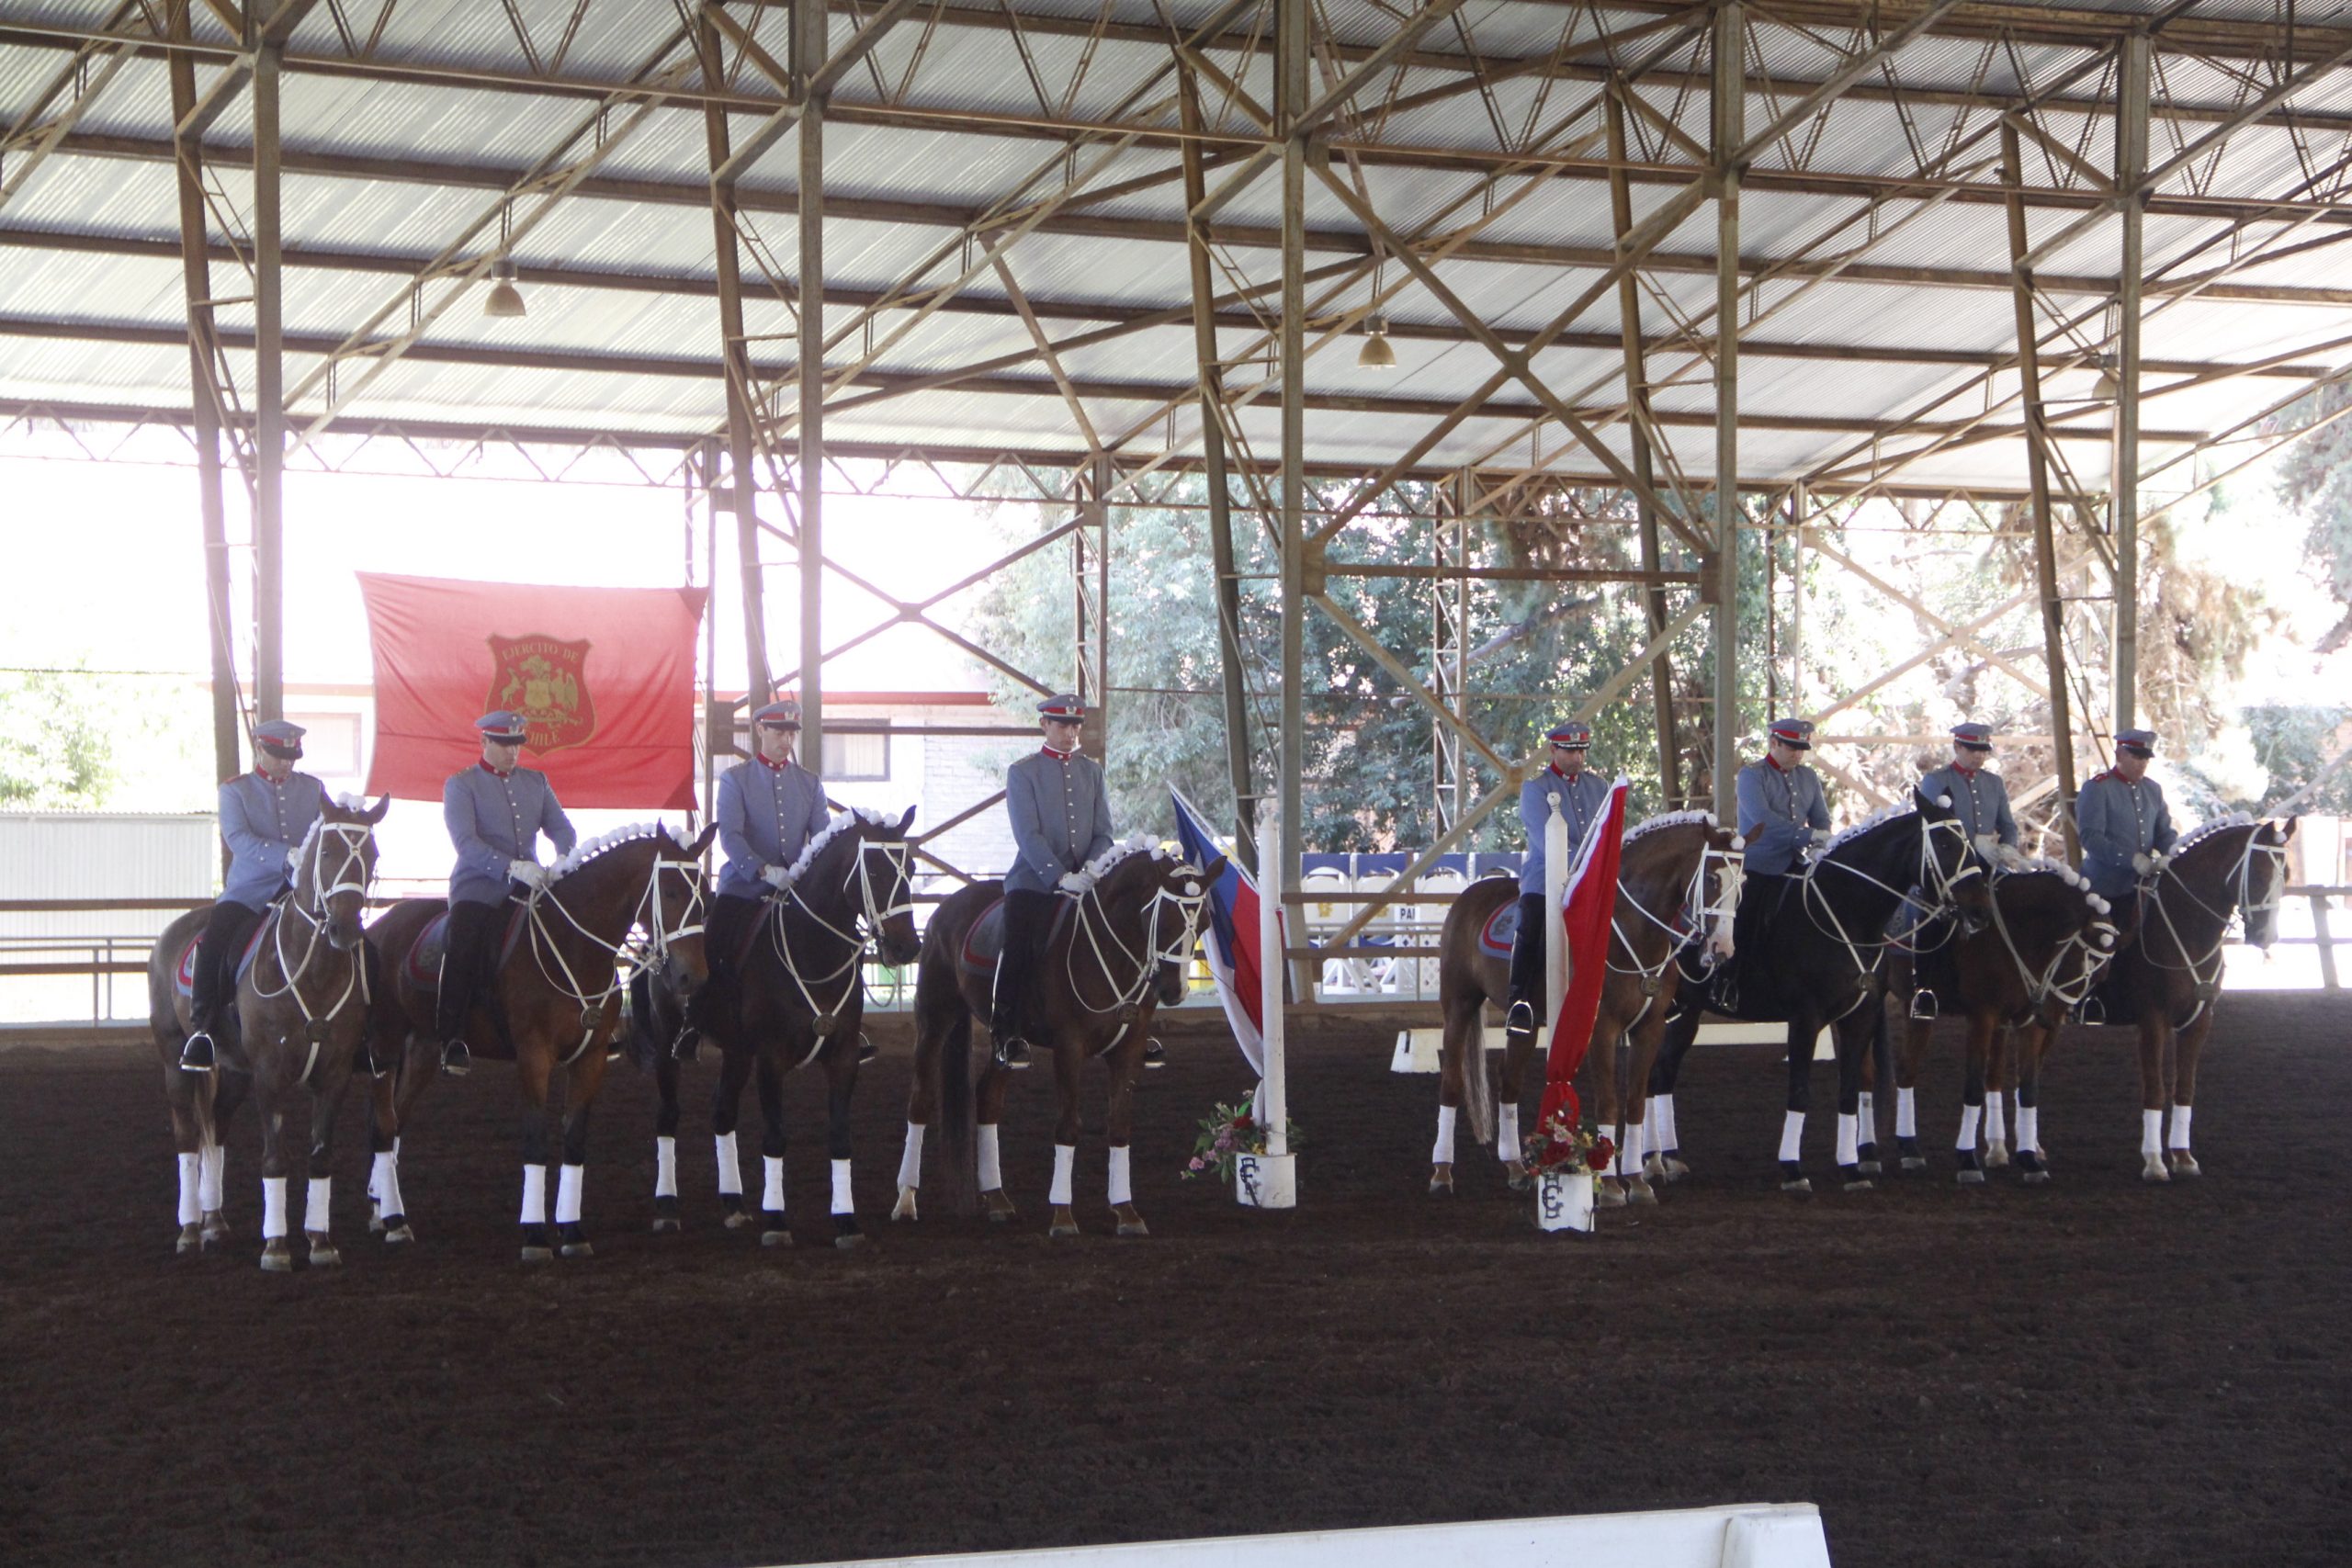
[1058,1231]
[850,1241]
[575,1246]
[997,1207]
[737,1219]
[1996,1156]
[2183,1163]
[1665,1168]
[1441,1181]
[276,1259]
[1515,1172]
[322,1252]
[1857,1182]
[1914,1162]
[776,1235]
[1065,1223]
[215,1229]
[1639,1191]
[191,1238]
[1606,1195]
[1868,1167]
[904,1209]
[665,1223]
[1801,1187]
[1969,1176]
[398,1233]
[539,1255]
[1131,1224]
[2035,1178]
[2151,1168]
[375,1220]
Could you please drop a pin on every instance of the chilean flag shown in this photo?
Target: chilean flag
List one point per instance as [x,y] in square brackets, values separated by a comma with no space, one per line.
[1592,903]
[1230,943]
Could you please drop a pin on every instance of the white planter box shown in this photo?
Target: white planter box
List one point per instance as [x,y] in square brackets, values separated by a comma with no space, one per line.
[1564,1201]
[1267,1181]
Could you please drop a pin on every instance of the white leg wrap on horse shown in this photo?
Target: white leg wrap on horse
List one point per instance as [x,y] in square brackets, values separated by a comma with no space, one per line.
[1969,1116]
[1629,1152]
[991,1159]
[384,1184]
[1850,1139]
[535,1194]
[910,1158]
[571,1184]
[1122,1185]
[665,1167]
[772,1184]
[273,1207]
[1064,1158]
[1996,1129]
[842,1202]
[1907,1113]
[1662,1118]
[2029,1128]
[1506,1133]
[730,1169]
[1868,1112]
[2178,1139]
[316,1200]
[2152,1132]
[216,1172]
[191,1181]
[1792,1135]
[1442,1153]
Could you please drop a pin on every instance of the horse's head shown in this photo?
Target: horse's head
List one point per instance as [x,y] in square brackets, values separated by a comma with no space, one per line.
[672,908]
[2262,879]
[1949,870]
[1720,867]
[337,866]
[885,890]
[1166,895]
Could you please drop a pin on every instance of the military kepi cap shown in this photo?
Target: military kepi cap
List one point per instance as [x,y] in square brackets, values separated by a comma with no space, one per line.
[1062,705]
[1973,734]
[2143,741]
[1796,732]
[783,714]
[279,737]
[503,726]
[1571,733]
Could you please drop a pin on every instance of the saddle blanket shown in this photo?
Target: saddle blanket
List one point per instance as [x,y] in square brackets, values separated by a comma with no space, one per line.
[984,941]
[1501,932]
[424,954]
[183,974]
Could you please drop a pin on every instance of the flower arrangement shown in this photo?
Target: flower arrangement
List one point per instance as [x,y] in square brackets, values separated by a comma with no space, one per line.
[1561,1147]
[1227,1133]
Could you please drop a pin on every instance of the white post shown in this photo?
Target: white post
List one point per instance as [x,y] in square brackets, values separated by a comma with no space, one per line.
[1271,828]
[1556,933]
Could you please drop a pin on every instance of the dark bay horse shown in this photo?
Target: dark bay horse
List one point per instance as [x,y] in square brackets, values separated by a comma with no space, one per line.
[1680,872]
[553,1001]
[1116,953]
[2017,977]
[1811,958]
[2166,976]
[801,999]
[300,1020]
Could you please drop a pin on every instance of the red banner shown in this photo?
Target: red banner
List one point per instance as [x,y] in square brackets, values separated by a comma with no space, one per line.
[603,677]
[1592,901]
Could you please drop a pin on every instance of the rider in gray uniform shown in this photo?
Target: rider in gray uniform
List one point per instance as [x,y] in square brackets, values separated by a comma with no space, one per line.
[1060,807]
[1566,789]
[1782,813]
[265,816]
[2121,818]
[1982,800]
[495,812]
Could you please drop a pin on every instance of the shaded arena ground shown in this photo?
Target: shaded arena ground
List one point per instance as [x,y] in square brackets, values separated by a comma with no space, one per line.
[2093,1374]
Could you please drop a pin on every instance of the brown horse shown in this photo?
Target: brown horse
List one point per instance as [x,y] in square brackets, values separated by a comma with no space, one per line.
[1116,953]
[554,1001]
[302,1010]
[2167,971]
[801,999]
[2017,977]
[1678,871]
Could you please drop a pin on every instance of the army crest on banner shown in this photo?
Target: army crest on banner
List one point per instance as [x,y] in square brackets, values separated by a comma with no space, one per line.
[545,680]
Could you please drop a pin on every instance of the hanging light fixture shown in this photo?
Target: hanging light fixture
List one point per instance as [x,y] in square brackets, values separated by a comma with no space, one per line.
[1375,354]
[2105,389]
[505,299]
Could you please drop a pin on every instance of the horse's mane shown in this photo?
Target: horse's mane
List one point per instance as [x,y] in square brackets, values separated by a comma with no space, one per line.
[1118,854]
[1661,822]
[1879,818]
[822,838]
[581,853]
[2045,866]
[2211,830]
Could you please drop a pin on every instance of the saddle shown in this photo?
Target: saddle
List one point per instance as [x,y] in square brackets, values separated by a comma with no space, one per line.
[1716,987]
[423,964]
[1500,932]
[183,972]
[984,941]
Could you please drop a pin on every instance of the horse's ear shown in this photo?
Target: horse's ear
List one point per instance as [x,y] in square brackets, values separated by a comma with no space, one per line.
[907,821]
[375,813]
[1213,870]
[2286,829]
[702,842]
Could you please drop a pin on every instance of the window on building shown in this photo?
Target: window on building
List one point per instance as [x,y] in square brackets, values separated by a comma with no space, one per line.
[859,754]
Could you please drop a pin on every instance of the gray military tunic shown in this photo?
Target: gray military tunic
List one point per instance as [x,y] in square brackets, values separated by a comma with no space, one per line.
[261,821]
[1061,807]
[1580,800]
[766,816]
[1979,797]
[494,819]
[1780,810]
[2118,819]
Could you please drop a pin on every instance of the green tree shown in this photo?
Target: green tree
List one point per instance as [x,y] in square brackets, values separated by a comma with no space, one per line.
[54,755]
[2315,478]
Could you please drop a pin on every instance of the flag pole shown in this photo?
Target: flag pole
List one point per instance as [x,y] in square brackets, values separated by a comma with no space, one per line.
[1556,898]
[1271,964]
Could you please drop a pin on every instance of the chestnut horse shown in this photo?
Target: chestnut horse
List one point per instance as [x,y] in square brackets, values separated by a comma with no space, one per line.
[2017,978]
[553,1001]
[2167,971]
[301,1020]
[1680,872]
[801,999]
[1117,952]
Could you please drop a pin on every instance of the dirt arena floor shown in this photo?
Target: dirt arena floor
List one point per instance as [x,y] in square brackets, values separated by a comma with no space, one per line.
[2095,1372]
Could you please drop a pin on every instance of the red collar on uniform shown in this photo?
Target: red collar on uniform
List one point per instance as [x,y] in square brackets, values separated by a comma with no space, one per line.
[1775,761]
[493,773]
[1963,770]
[771,767]
[1555,767]
[1057,756]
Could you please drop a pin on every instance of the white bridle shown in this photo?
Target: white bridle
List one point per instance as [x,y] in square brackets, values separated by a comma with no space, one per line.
[2243,876]
[1929,873]
[354,837]
[865,927]
[1697,911]
[646,915]
[2041,987]
[1177,950]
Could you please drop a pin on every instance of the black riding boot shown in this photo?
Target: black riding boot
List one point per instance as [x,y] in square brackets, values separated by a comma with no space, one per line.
[1526,966]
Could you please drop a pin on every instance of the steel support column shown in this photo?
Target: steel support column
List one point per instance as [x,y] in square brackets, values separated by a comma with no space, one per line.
[1730,121]
[205,412]
[2130,179]
[1093,597]
[269,387]
[2045,541]
[809,32]
[1292,65]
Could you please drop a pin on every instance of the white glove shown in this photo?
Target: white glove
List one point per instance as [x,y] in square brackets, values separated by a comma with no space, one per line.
[2143,864]
[1074,882]
[293,856]
[529,873]
[774,876]
[1820,835]
[2010,857]
[1987,846]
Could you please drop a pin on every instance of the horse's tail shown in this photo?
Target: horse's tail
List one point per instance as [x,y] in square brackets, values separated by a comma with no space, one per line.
[1478,1080]
[958,1117]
